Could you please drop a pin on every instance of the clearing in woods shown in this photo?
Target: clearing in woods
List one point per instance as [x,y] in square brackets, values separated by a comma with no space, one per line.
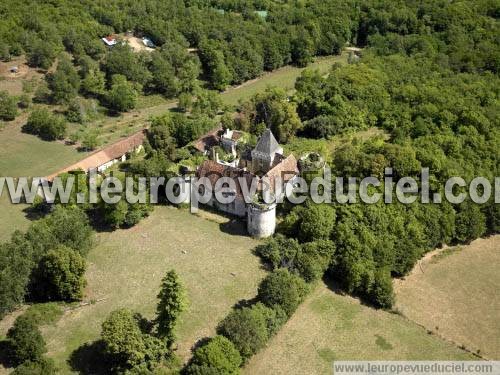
[215,263]
[14,72]
[283,77]
[330,326]
[454,293]
[136,44]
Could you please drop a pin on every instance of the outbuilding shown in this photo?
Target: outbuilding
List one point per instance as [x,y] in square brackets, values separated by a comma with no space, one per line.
[109,40]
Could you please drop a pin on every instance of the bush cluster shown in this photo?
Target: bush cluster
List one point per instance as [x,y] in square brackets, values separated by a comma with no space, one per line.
[46,125]
[218,355]
[310,260]
[60,275]
[26,347]
[247,330]
[8,106]
[26,341]
[46,262]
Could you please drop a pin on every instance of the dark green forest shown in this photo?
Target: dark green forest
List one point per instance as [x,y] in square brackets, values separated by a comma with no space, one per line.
[234,42]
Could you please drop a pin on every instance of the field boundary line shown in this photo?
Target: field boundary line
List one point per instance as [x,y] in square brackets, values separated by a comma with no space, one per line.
[440,336]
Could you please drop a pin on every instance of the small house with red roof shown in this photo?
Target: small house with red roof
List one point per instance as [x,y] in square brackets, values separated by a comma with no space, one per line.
[110,40]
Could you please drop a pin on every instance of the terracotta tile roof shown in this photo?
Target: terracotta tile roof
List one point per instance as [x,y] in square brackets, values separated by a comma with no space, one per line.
[213,138]
[287,169]
[236,135]
[124,145]
[100,157]
[208,140]
[213,171]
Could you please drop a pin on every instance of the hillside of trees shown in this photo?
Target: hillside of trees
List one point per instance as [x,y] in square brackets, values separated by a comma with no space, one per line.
[205,44]
[234,42]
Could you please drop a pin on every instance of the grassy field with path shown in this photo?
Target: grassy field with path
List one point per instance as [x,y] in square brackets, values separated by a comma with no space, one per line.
[283,77]
[329,326]
[112,128]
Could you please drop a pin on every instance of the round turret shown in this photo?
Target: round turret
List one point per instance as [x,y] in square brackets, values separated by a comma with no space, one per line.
[261,220]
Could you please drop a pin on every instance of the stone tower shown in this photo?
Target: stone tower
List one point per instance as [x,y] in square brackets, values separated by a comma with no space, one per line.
[264,154]
[261,220]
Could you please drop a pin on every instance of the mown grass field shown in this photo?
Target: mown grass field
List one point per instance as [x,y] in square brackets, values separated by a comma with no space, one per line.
[455,293]
[126,267]
[329,326]
[12,217]
[284,78]
[26,155]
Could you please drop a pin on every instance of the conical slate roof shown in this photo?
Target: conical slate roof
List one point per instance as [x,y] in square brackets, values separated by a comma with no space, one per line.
[267,143]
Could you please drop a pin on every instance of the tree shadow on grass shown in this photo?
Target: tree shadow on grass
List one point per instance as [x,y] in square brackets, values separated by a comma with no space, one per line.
[234,227]
[32,213]
[82,149]
[112,113]
[245,303]
[199,343]
[334,285]
[97,222]
[91,358]
[176,110]
[264,264]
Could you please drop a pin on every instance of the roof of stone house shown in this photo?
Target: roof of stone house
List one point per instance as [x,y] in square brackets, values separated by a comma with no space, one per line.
[213,138]
[287,166]
[278,158]
[236,135]
[267,144]
[101,157]
[287,169]
[213,171]
[208,140]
